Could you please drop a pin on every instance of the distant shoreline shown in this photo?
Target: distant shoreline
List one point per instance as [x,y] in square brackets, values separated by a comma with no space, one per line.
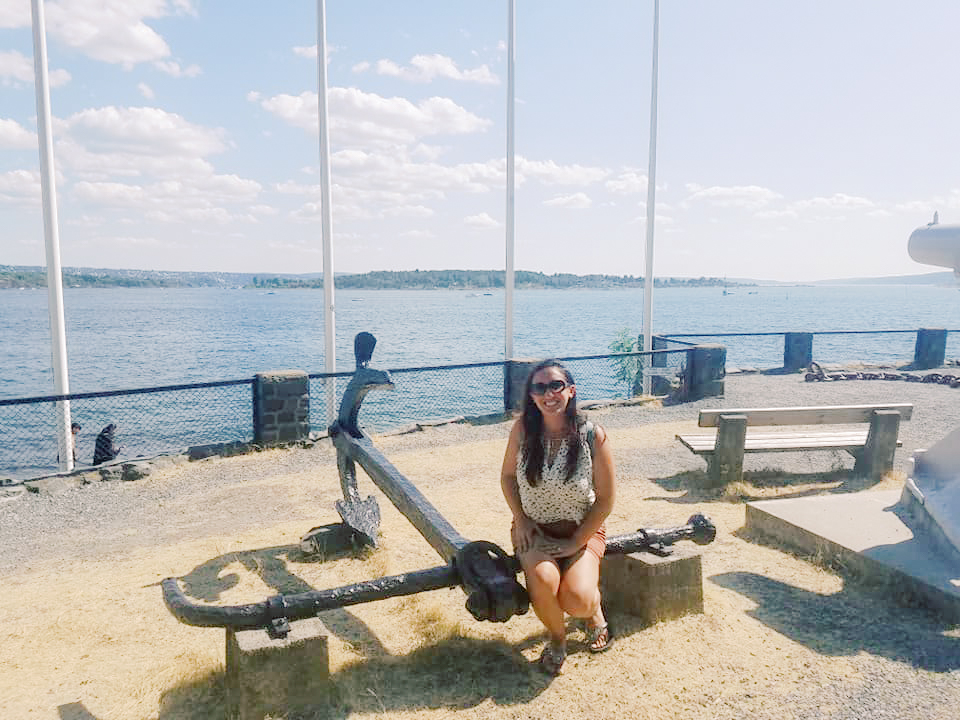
[34,277]
[474,280]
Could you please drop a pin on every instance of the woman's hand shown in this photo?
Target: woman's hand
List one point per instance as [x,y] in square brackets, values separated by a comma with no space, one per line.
[526,534]
[557,547]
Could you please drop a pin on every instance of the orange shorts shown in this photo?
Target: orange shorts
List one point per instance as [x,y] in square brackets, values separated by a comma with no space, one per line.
[597,544]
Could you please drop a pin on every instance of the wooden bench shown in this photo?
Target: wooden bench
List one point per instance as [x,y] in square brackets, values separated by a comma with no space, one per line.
[872,446]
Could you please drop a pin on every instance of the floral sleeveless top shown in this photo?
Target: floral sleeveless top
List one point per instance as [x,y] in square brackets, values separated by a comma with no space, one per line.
[553,498]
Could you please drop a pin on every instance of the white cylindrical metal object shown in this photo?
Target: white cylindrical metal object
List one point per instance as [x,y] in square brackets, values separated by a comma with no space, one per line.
[326,217]
[937,245]
[651,200]
[51,233]
[511,198]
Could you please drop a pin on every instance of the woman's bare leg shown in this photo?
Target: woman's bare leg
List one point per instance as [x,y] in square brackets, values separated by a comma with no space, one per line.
[579,590]
[543,582]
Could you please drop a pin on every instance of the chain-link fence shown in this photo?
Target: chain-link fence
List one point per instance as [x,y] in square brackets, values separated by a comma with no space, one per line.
[147,422]
[431,394]
[152,421]
[170,419]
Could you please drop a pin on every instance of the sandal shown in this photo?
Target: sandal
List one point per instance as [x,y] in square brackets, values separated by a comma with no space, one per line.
[599,638]
[551,660]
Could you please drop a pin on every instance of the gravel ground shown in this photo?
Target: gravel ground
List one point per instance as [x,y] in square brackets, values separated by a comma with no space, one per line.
[899,682]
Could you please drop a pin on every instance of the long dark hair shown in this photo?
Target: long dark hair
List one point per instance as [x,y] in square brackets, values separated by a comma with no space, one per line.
[533,440]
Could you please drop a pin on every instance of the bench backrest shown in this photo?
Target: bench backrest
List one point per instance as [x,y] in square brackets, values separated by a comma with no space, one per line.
[832,414]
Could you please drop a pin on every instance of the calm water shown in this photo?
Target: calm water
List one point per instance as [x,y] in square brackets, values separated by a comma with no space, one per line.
[119,338]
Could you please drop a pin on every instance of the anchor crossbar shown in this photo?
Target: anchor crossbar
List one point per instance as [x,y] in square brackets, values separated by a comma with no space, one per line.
[698,529]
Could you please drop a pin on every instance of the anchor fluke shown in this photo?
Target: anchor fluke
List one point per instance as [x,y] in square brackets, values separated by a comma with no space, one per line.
[363,517]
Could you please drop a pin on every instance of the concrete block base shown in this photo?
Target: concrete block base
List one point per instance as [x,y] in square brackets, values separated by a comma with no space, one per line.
[653,588]
[267,677]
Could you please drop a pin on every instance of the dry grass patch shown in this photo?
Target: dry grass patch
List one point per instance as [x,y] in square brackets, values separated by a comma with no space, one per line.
[96,635]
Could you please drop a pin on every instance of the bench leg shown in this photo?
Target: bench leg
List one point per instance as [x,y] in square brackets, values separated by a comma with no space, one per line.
[876,458]
[726,464]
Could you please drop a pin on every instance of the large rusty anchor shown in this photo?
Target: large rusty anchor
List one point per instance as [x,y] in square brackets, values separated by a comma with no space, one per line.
[485,571]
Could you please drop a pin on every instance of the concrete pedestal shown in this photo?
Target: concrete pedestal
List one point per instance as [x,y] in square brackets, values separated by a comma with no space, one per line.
[267,677]
[653,588]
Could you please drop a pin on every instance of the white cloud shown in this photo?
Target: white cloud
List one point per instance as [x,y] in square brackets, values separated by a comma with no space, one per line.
[357,117]
[14,136]
[417,234]
[146,91]
[112,31]
[143,131]
[627,183]
[14,14]
[837,201]
[414,211]
[777,214]
[174,69]
[550,173]
[577,201]
[751,197]
[483,220]
[173,200]
[427,68]
[307,51]
[18,186]
[16,68]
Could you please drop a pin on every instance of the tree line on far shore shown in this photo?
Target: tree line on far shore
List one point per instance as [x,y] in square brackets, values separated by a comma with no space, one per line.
[25,278]
[476,280]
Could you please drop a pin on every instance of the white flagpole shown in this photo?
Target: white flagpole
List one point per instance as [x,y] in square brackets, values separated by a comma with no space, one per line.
[511,203]
[326,223]
[651,199]
[51,233]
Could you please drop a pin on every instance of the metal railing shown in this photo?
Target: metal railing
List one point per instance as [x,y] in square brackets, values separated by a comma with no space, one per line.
[764,350]
[171,419]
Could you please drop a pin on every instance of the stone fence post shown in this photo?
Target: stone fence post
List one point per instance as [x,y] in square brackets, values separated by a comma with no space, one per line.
[797,350]
[705,371]
[281,407]
[931,348]
[515,374]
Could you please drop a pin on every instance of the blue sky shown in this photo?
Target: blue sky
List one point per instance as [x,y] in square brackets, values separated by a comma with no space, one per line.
[797,141]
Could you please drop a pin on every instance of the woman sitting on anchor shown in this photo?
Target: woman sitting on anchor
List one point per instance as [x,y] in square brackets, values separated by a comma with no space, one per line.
[558,479]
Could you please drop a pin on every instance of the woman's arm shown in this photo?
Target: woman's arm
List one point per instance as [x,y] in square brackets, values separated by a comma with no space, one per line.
[524,529]
[604,487]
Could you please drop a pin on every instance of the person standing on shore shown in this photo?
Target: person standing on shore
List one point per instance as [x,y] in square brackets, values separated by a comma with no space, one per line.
[105,449]
[558,479]
[75,429]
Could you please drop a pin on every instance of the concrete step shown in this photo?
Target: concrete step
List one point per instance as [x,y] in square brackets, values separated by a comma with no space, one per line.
[865,533]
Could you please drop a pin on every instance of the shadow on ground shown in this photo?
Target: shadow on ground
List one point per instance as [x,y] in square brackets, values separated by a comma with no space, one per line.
[848,622]
[456,673]
[206,583]
[760,485]
[75,711]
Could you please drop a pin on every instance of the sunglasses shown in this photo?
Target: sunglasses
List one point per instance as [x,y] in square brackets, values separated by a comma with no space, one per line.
[553,386]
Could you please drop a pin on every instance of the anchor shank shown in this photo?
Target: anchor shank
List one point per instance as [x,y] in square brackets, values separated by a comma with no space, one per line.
[406,498]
